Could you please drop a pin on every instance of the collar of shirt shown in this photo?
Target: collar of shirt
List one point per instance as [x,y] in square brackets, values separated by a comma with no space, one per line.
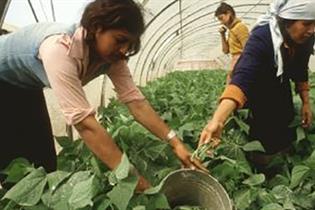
[78,49]
[235,22]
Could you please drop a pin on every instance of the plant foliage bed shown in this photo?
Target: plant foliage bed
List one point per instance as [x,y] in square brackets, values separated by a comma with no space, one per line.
[185,100]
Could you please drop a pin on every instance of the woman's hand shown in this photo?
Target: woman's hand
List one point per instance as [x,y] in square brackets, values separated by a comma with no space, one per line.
[142,185]
[307,115]
[222,30]
[211,132]
[185,156]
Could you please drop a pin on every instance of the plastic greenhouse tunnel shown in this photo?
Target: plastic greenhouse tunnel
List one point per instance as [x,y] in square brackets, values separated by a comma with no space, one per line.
[213,111]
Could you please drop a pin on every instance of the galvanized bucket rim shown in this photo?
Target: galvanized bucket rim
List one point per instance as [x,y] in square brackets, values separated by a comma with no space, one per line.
[187,170]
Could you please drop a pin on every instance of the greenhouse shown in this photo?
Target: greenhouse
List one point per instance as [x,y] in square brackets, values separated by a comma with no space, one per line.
[157,104]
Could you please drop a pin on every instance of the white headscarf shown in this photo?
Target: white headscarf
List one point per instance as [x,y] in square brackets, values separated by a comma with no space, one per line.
[288,9]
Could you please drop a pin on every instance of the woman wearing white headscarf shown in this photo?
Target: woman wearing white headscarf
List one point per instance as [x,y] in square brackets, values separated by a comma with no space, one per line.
[277,51]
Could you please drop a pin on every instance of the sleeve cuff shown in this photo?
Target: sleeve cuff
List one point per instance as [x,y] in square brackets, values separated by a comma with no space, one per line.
[234,93]
[132,95]
[301,86]
[74,117]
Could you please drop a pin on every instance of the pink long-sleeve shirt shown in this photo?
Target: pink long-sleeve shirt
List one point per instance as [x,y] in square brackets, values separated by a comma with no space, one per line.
[66,62]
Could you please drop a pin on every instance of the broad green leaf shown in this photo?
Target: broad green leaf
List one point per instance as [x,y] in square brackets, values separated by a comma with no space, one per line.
[30,189]
[279,180]
[37,207]
[60,197]
[310,162]
[139,208]
[141,163]
[244,167]
[243,126]
[233,150]
[139,200]
[273,206]
[118,131]
[311,137]
[64,141]
[121,194]
[122,171]
[101,202]
[155,151]
[11,205]
[158,201]
[304,201]
[17,169]
[299,172]
[288,204]
[281,193]
[84,192]
[243,199]
[186,127]
[243,113]
[112,179]
[300,134]
[65,163]
[254,180]
[55,178]
[265,197]
[253,146]
[224,171]
[188,208]
[2,192]
[97,166]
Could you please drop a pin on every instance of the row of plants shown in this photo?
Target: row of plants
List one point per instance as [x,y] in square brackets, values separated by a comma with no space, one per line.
[185,100]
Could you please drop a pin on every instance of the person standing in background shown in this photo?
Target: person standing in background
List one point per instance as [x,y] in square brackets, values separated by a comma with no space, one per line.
[237,36]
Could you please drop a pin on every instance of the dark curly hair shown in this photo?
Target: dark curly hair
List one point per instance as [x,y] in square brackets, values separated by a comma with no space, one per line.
[114,14]
[224,8]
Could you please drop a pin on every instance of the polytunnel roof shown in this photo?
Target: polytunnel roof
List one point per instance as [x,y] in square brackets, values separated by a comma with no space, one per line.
[185,30]
[175,29]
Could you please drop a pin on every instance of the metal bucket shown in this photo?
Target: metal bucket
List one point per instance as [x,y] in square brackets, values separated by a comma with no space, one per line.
[187,187]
